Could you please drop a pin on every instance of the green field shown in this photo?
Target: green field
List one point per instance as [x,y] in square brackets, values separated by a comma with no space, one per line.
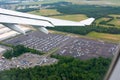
[115,21]
[55,14]
[105,36]
[102,19]
[102,2]
[114,1]
[43,2]
[97,2]
[78,17]
[46,12]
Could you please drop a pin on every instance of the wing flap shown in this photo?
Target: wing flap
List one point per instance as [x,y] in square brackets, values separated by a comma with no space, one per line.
[87,21]
[14,18]
[20,20]
[51,21]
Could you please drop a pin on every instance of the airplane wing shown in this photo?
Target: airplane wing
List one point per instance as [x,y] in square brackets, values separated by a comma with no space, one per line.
[12,19]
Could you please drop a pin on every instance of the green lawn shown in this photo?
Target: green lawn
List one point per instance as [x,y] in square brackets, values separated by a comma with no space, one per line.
[114,1]
[97,2]
[110,2]
[76,17]
[55,14]
[46,12]
[105,36]
[115,21]
[102,19]
[43,2]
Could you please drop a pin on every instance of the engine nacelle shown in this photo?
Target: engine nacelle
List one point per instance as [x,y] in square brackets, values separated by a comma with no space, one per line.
[42,29]
[14,27]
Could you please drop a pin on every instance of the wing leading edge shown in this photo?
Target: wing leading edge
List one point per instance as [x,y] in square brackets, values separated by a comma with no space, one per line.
[12,19]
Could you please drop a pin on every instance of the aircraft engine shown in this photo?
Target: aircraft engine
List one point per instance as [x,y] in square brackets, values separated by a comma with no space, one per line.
[42,29]
[15,27]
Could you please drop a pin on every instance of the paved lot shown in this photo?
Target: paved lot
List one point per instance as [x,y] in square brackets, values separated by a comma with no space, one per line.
[86,48]
[40,41]
[3,49]
[25,61]
[77,47]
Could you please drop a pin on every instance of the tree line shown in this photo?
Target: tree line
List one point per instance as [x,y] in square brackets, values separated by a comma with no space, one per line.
[19,50]
[85,30]
[89,10]
[95,11]
[68,68]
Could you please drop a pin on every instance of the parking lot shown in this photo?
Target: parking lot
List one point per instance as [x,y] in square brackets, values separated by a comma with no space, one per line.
[86,48]
[25,61]
[3,49]
[77,47]
[40,41]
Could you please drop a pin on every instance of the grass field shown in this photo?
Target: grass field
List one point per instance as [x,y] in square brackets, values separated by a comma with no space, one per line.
[102,19]
[78,17]
[55,14]
[43,2]
[115,21]
[105,36]
[97,2]
[115,15]
[114,1]
[46,12]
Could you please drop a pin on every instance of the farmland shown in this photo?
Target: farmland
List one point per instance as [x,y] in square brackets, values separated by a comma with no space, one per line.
[105,2]
[46,12]
[78,17]
[55,14]
[105,36]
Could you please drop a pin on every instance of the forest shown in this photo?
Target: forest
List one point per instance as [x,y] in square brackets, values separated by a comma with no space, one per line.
[19,50]
[67,68]
[85,30]
[95,11]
